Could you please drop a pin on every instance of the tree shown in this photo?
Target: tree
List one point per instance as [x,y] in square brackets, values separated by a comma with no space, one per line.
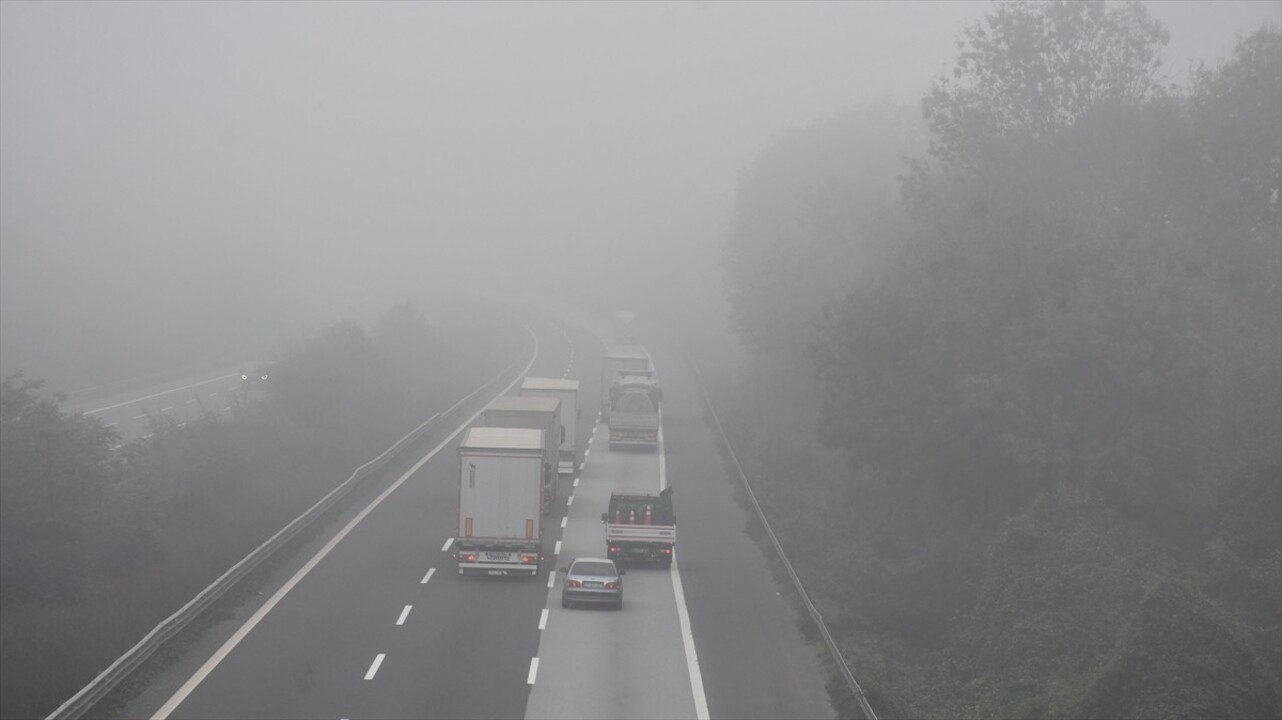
[54,470]
[1033,68]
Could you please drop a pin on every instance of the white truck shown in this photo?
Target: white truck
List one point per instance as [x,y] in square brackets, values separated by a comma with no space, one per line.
[617,358]
[500,502]
[640,528]
[634,410]
[537,413]
[567,391]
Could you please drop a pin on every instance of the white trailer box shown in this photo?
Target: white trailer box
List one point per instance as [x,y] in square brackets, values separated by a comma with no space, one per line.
[500,501]
[567,391]
[537,413]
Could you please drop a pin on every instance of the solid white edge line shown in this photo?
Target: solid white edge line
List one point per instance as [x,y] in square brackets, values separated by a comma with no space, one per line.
[163,392]
[683,614]
[373,669]
[446,546]
[534,671]
[427,577]
[404,614]
[199,676]
[543,619]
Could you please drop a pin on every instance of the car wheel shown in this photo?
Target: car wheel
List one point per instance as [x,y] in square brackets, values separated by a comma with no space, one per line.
[619,604]
[565,603]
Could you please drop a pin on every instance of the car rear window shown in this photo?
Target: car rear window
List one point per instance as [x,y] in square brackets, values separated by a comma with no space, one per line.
[593,568]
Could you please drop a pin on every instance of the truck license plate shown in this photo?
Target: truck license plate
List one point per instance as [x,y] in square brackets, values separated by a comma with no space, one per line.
[496,572]
[498,556]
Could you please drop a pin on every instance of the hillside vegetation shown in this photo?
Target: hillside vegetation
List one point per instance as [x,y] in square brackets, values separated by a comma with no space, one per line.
[1036,466]
[98,545]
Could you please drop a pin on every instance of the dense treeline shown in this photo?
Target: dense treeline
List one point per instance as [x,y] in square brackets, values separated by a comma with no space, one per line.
[1052,380]
[98,545]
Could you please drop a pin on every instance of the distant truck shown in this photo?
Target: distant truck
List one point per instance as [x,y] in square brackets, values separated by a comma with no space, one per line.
[500,502]
[634,410]
[567,391]
[617,358]
[640,528]
[537,413]
[625,330]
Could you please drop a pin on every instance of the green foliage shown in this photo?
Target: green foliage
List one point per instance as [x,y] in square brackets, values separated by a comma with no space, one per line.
[1060,391]
[809,216]
[1180,656]
[54,470]
[1033,68]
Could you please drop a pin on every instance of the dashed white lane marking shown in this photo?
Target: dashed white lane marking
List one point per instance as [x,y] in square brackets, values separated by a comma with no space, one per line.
[576,482]
[543,620]
[369,675]
[404,614]
[586,453]
[191,401]
[144,437]
[551,579]
[591,438]
[167,409]
[564,520]
[446,546]
[557,550]
[213,394]
[569,501]
[581,467]
[136,417]
[534,671]
[182,424]
[111,424]
[427,577]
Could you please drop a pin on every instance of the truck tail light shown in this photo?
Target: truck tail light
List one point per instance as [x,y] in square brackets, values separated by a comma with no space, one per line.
[666,551]
[468,557]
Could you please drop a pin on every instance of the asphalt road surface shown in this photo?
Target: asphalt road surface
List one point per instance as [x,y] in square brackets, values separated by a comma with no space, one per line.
[371,619]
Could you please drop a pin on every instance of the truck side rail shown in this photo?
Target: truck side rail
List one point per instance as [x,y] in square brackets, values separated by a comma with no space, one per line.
[833,650]
[107,680]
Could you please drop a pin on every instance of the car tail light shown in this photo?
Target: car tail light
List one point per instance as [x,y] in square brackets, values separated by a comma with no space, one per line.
[573,583]
[613,585]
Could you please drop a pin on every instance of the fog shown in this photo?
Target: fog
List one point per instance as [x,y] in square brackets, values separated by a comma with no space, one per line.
[184,183]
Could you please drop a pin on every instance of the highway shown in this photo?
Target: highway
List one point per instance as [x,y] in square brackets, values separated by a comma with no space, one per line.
[132,413]
[371,619]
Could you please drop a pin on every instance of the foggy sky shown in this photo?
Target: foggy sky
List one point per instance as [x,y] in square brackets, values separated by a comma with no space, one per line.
[165,163]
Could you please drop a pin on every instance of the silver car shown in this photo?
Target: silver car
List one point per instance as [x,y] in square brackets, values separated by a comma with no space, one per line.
[592,580]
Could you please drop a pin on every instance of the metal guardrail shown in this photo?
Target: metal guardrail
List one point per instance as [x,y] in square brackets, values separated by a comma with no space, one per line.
[837,657]
[108,679]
